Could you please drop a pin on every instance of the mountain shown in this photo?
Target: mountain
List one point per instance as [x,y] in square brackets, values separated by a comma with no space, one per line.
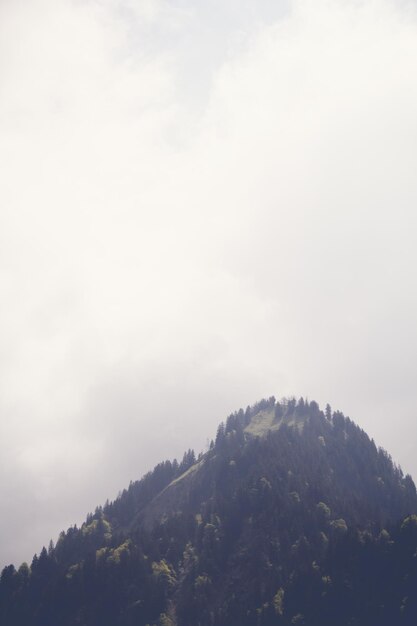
[292,517]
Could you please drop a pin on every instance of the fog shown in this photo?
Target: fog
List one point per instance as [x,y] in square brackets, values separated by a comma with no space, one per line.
[201,204]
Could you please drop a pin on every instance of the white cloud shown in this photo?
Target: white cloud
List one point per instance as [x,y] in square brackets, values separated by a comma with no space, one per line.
[199,206]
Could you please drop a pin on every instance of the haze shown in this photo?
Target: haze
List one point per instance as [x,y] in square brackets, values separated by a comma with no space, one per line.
[201,204]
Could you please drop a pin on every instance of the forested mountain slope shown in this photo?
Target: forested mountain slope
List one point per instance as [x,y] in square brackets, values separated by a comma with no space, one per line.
[293,516]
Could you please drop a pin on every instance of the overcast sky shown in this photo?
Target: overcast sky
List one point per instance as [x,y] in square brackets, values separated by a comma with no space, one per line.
[201,204]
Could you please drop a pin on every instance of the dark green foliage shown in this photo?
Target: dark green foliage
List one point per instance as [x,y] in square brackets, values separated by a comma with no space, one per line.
[309,524]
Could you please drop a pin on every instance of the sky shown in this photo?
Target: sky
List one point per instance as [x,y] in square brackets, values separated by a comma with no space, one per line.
[201,204]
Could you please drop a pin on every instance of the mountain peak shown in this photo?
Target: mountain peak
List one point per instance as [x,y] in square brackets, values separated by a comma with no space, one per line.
[290,515]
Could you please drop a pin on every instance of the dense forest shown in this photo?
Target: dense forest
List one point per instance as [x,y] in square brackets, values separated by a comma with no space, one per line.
[292,517]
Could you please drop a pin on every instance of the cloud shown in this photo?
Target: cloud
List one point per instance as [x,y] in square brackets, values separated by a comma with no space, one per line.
[200,206]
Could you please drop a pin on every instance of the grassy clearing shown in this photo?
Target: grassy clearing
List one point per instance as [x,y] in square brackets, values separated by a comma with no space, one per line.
[263,422]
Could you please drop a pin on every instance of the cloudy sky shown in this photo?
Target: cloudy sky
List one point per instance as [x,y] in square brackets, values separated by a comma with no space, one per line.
[201,204]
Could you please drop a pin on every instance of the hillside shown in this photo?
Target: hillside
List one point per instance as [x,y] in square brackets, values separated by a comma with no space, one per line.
[293,516]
